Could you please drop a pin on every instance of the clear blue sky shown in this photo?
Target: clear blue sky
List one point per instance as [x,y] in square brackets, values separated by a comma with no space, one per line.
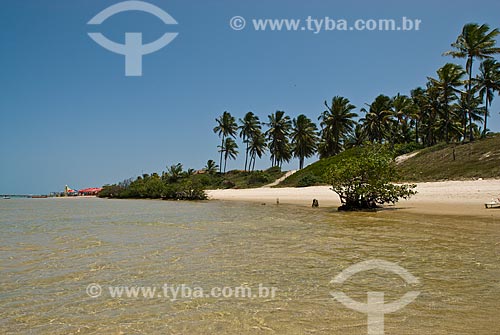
[68,115]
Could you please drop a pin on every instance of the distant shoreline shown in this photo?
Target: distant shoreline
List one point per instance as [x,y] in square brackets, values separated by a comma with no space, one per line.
[464,198]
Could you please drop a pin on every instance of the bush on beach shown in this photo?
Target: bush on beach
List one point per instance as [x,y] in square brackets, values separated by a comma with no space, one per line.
[363,178]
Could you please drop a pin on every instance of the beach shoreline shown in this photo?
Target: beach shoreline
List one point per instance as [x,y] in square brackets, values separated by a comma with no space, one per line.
[465,198]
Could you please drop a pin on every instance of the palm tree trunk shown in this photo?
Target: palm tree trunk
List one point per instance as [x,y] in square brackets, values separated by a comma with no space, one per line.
[471,134]
[464,125]
[485,117]
[301,162]
[336,146]
[446,121]
[221,152]
[416,131]
[225,163]
[469,99]
[246,157]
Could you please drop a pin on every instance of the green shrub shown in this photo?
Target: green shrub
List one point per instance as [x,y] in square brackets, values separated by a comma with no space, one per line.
[109,191]
[402,149]
[273,170]
[189,191]
[309,180]
[362,179]
[258,177]
[153,187]
[228,184]
[203,179]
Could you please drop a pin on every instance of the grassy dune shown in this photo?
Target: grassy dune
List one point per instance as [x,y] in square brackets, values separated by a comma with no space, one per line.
[479,159]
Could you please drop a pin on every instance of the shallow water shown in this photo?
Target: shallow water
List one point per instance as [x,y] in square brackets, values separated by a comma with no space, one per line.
[52,249]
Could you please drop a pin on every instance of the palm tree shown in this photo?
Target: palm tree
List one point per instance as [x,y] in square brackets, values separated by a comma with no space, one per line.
[189,172]
[249,125]
[336,123]
[475,41]
[229,149]
[449,77]
[226,126]
[487,82]
[304,138]
[256,147]
[402,109]
[174,172]
[469,109]
[378,118]
[431,114]
[356,138]
[419,97]
[211,167]
[277,135]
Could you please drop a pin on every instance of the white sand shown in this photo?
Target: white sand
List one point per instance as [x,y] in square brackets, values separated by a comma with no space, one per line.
[449,197]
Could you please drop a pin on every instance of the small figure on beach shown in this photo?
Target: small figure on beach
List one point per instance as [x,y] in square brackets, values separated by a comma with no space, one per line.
[315,203]
[277,201]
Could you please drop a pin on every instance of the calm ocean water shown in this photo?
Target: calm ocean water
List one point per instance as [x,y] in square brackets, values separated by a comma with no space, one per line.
[53,249]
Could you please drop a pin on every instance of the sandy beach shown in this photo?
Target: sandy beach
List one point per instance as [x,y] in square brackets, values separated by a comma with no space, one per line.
[464,198]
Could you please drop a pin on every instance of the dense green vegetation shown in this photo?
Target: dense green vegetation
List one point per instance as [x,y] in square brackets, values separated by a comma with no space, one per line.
[177,184]
[363,178]
[314,174]
[174,184]
[238,179]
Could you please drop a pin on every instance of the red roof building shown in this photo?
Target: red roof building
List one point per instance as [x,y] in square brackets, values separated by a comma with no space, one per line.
[90,191]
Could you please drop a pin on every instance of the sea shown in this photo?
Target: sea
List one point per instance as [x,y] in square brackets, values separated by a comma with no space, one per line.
[100,266]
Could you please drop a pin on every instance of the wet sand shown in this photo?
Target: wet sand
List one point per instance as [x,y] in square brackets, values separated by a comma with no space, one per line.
[464,198]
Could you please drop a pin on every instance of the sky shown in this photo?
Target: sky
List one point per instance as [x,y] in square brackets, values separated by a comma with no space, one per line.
[69,115]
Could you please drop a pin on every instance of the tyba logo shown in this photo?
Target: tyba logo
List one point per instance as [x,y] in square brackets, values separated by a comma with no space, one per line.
[133,49]
[375,307]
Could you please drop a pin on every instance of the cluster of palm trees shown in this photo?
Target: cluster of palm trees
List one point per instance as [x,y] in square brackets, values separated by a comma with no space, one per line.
[256,142]
[453,107]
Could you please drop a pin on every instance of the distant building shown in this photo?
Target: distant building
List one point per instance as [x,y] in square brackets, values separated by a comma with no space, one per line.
[90,191]
[68,191]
